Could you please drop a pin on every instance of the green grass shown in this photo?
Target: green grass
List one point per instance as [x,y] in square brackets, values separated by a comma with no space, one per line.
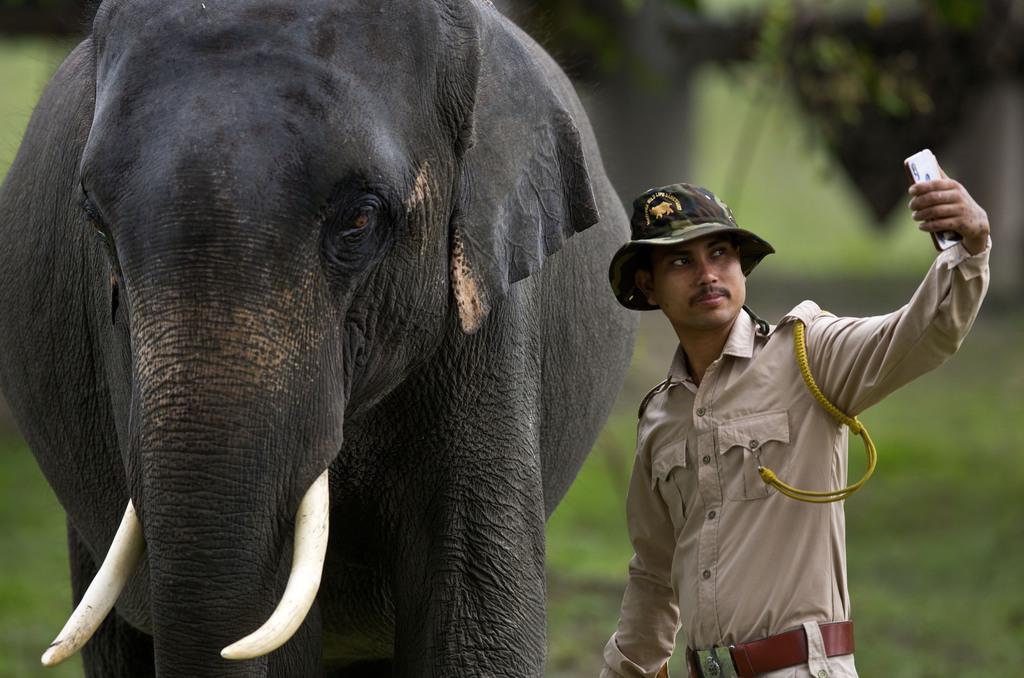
[35,591]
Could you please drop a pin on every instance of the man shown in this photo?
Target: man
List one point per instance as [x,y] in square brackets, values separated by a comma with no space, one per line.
[717,551]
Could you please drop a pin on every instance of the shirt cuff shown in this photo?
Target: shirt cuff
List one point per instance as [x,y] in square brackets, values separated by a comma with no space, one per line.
[970,265]
[618,665]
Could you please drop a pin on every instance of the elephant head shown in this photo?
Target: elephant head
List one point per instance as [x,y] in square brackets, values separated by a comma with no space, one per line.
[266,214]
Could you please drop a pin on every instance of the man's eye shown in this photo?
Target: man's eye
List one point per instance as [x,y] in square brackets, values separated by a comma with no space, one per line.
[718,251]
[680,261]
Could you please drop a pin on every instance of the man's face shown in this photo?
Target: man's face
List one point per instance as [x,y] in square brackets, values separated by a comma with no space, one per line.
[699,284]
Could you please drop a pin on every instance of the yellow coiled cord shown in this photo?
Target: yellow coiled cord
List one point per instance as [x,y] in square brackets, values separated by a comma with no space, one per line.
[857,428]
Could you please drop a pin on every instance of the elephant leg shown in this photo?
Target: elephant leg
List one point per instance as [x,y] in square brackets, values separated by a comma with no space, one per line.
[116,650]
[372,669]
[470,587]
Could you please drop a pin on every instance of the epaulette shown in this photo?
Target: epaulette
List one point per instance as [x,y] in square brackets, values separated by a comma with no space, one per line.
[650,394]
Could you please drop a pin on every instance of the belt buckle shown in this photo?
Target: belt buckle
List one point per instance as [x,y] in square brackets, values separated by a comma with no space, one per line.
[715,663]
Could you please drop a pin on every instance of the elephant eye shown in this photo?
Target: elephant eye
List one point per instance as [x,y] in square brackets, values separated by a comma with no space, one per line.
[362,215]
[92,217]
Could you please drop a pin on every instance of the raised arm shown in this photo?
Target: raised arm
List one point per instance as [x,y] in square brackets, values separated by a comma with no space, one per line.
[858,361]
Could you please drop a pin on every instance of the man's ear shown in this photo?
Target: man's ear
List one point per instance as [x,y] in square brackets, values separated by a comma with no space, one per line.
[645,283]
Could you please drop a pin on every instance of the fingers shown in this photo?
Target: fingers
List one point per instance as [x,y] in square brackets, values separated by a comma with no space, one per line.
[976,229]
[940,211]
[922,188]
[944,184]
[936,197]
[945,205]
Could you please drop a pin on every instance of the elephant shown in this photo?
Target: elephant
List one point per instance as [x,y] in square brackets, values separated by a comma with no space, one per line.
[304,316]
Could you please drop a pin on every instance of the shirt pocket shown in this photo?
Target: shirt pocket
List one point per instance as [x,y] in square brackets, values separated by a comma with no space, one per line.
[742,442]
[670,477]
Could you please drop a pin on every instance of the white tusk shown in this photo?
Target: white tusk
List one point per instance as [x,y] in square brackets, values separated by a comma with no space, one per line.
[311,531]
[121,561]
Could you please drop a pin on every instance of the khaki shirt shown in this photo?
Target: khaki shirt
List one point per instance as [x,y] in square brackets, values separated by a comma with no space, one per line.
[717,551]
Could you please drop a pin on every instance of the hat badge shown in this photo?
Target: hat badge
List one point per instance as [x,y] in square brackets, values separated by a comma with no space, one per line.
[661,210]
[661,205]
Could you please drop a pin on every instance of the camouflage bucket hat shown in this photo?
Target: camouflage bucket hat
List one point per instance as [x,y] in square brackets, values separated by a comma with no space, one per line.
[670,215]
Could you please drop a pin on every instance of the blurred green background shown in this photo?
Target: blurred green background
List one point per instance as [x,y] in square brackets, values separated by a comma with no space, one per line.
[936,540]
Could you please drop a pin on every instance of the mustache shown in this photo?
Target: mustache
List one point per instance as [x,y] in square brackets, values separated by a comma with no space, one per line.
[707,290]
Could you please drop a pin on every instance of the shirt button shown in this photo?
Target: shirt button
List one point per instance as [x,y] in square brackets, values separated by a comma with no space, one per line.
[711,515]
[701,411]
[706,574]
[823,674]
[706,459]
[754,444]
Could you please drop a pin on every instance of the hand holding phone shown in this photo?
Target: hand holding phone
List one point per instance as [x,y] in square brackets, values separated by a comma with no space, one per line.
[923,166]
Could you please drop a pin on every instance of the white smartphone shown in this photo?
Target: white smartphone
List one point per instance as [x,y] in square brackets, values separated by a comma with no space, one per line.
[922,166]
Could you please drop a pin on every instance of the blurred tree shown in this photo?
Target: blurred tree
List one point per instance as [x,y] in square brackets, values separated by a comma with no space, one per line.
[882,87]
[878,81]
[633,61]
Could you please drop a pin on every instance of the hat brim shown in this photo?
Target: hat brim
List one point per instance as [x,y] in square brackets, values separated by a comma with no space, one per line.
[622,271]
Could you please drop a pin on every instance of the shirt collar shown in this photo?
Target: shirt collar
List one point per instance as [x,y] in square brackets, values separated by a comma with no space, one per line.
[740,344]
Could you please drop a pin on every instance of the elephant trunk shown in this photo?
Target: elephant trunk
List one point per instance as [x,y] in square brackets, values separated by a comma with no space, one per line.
[207,591]
[235,419]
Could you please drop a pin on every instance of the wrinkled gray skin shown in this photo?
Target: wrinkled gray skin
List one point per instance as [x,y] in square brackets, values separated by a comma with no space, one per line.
[246,242]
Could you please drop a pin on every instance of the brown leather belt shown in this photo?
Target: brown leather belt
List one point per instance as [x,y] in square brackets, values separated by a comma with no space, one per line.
[780,651]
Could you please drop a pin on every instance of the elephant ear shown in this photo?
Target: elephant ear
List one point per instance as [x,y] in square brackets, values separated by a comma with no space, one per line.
[523,186]
[43,178]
